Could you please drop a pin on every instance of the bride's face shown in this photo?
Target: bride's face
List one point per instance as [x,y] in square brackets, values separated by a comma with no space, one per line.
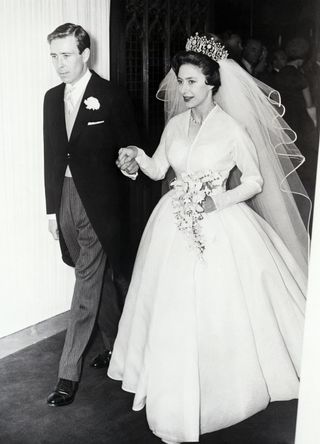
[193,86]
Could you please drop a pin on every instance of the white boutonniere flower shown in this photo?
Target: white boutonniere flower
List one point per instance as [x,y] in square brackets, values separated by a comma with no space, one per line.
[92,103]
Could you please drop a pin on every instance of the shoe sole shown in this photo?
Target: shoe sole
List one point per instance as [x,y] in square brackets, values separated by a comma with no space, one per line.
[60,405]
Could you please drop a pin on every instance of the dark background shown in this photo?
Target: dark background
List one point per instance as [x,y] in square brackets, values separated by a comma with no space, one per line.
[146,33]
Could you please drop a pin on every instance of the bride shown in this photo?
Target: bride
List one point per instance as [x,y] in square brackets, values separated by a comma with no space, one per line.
[212,326]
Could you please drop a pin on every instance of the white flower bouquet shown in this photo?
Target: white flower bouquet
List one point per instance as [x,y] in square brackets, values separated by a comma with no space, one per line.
[189,193]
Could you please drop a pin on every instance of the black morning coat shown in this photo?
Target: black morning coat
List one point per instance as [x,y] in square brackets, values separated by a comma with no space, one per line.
[91,153]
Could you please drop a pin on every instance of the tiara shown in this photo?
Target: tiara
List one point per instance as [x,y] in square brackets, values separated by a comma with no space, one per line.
[209,47]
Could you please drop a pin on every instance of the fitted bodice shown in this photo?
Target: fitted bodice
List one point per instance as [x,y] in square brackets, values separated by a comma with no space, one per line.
[219,146]
[211,148]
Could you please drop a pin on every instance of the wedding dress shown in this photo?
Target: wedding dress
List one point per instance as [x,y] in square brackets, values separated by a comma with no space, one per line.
[208,339]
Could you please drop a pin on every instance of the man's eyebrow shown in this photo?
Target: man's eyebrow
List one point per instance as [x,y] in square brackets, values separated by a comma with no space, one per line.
[63,52]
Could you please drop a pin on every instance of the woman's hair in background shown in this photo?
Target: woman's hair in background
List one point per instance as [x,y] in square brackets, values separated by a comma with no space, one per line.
[209,67]
[67,29]
[297,48]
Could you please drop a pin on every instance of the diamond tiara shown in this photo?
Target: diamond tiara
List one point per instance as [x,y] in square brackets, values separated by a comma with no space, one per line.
[209,47]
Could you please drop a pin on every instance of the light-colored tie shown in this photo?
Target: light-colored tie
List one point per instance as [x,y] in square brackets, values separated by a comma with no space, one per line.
[68,99]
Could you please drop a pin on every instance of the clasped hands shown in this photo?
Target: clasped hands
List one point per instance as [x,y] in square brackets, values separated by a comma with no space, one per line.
[127,163]
[127,159]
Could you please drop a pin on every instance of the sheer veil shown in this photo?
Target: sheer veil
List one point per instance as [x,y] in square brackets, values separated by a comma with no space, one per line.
[283,203]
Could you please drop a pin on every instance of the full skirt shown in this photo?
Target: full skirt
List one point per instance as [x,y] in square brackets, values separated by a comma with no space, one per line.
[205,343]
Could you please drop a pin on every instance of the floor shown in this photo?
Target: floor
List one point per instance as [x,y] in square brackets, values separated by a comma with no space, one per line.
[101,412]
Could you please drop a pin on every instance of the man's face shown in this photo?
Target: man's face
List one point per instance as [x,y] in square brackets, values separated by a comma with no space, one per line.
[252,51]
[68,62]
[279,60]
[235,42]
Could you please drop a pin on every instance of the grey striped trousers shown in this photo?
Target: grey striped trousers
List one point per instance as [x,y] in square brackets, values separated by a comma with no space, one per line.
[90,260]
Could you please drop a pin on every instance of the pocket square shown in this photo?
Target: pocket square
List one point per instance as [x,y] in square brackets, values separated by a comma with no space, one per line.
[96,123]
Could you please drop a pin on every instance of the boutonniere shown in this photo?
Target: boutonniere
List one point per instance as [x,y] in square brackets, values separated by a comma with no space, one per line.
[92,103]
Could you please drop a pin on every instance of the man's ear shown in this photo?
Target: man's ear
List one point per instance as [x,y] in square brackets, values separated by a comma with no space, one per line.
[85,55]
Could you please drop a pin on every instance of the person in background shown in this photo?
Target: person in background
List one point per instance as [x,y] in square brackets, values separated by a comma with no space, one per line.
[233,44]
[254,58]
[300,112]
[278,61]
[311,69]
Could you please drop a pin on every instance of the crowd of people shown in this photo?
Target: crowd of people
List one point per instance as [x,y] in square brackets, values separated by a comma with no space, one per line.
[293,70]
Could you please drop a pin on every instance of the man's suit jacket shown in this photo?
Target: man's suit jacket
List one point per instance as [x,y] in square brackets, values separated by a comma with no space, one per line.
[91,153]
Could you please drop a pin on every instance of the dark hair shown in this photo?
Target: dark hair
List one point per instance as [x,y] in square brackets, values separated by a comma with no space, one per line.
[208,66]
[297,48]
[67,29]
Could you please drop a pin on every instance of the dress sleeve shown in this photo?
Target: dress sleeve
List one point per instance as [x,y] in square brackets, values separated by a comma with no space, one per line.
[251,182]
[156,166]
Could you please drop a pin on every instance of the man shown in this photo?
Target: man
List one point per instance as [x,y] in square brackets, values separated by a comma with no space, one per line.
[300,114]
[86,121]
[254,58]
[278,61]
[233,43]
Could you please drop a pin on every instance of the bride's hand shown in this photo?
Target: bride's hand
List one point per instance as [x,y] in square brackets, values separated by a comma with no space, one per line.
[208,205]
[127,157]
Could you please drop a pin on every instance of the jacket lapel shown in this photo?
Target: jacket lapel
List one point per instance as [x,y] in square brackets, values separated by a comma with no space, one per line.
[82,116]
[59,118]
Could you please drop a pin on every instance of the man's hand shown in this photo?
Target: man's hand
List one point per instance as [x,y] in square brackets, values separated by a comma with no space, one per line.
[131,168]
[262,63]
[312,111]
[126,160]
[53,228]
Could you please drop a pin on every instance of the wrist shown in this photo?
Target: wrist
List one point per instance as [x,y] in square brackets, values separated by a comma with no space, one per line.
[135,151]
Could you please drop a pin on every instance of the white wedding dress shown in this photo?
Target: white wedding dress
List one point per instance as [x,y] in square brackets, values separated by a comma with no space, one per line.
[204,344]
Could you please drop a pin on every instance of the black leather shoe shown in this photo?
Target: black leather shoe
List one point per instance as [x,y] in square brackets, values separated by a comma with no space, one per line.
[102,360]
[63,394]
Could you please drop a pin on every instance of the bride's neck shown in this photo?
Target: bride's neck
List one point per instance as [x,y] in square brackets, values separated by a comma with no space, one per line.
[199,113]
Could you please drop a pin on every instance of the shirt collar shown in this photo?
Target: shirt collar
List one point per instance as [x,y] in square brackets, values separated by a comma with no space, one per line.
[247,65]
[78,88]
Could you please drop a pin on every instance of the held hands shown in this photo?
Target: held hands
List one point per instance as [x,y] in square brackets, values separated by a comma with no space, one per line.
[53,228]
[126,159]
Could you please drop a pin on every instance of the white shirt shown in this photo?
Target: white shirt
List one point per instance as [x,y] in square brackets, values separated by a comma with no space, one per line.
[78,88]
[76,92]
[248,66]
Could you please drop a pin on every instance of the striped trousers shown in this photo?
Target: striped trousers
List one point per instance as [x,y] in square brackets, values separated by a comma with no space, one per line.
[90,263]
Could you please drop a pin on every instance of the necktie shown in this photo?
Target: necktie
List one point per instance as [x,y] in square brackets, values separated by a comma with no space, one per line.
[68,99]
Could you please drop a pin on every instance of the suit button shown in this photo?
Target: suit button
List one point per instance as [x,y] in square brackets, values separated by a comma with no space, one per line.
[68,155]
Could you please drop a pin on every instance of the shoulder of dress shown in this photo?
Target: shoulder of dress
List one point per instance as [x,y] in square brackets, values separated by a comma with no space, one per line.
[233,125]
[179,118]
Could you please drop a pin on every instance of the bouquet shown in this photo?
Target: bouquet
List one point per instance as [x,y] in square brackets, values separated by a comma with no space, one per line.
[190,192]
